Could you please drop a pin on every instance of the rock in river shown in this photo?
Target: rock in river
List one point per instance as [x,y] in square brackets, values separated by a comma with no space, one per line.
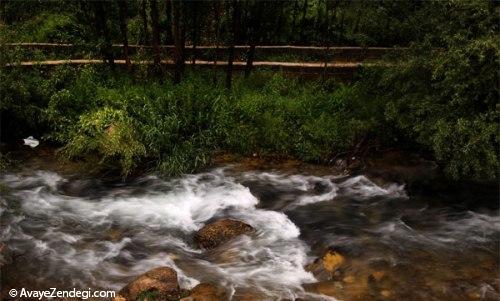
[205,292]
[221,231]
[325,267]
[160,282]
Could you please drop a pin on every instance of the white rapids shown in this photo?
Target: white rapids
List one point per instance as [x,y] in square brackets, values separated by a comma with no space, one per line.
[105,238]
[156,227]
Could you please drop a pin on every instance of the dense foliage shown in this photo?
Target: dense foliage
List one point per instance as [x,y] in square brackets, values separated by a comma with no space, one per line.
[129,120]
[439,97]
[447,98]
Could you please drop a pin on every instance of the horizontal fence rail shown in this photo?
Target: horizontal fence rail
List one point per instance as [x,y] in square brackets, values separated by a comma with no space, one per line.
[341,62]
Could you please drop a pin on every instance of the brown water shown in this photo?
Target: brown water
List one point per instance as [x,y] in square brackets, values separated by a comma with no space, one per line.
[73,231]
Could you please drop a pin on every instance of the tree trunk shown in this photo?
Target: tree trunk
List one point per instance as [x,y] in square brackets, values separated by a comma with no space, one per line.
[254,33]
[178,49]
[294,19]
[230,59]
[106,45]
[156,33]
[217,7]
[182,23]
[359,14]
[326,38]
[194,31]
[278,29]
[122,7]
[342,26]
[303,22]
[168,30]
[144,17]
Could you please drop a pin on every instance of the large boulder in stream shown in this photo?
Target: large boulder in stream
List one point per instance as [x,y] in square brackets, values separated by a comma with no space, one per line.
[160,283]
[221,231]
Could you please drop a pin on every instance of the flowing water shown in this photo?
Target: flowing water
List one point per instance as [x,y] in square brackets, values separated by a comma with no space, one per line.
[72,231]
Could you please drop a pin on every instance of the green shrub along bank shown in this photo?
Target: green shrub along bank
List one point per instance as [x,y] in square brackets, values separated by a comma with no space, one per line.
[139,121]
[134,120]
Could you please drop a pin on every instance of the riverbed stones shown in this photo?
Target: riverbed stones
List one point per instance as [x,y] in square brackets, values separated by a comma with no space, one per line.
[205,292]
[160,283]
[221,231]
[326,267]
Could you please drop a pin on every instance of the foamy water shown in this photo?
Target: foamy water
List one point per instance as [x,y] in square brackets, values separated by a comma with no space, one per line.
[106,238]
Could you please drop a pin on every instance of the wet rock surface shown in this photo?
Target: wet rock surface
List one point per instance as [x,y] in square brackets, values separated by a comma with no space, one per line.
[160,283]
[328,265]
[206,292]
[221,231]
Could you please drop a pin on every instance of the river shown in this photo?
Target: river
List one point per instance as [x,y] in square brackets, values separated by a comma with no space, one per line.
[67,231]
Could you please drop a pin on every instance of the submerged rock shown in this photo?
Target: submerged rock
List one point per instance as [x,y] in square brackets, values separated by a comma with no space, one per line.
[205,292]
[327,288]
[159,283]
[221,231]
[326,266]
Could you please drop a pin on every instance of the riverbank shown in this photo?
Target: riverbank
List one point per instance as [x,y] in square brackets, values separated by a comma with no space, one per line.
[139,121]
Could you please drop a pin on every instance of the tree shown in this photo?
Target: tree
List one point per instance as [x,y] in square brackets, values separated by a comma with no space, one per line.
[178,41]
[156,33]
[122,7]
[105,45]
[194,29]
[144,17]
[168,28]
[303,22]
[217,8]
[294,19]
[254,28]
[236,14]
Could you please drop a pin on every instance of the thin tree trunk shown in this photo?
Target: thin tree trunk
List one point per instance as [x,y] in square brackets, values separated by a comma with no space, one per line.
[342,26]
[178,49]
[359,14]
[230,59]
[168,30]
[156,33]
[294,18]
[326,38]
[182,24]
[2,12]
[303,22]
[100,14]
[254,32]
[194,31]
[217,7]
[144,17]
[122,7]
[278,30]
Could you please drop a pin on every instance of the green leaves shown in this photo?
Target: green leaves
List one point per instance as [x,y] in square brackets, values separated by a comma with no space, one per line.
[445,98]
[111,134]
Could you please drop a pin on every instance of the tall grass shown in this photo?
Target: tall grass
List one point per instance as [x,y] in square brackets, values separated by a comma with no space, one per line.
[130,121]
[137,122]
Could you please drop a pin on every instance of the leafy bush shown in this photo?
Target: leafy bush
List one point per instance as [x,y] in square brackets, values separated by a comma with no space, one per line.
[111,134]
[446,99]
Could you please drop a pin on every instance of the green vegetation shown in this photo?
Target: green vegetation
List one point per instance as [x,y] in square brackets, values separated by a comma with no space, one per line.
[439,97]
[139,122]
[129,120]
